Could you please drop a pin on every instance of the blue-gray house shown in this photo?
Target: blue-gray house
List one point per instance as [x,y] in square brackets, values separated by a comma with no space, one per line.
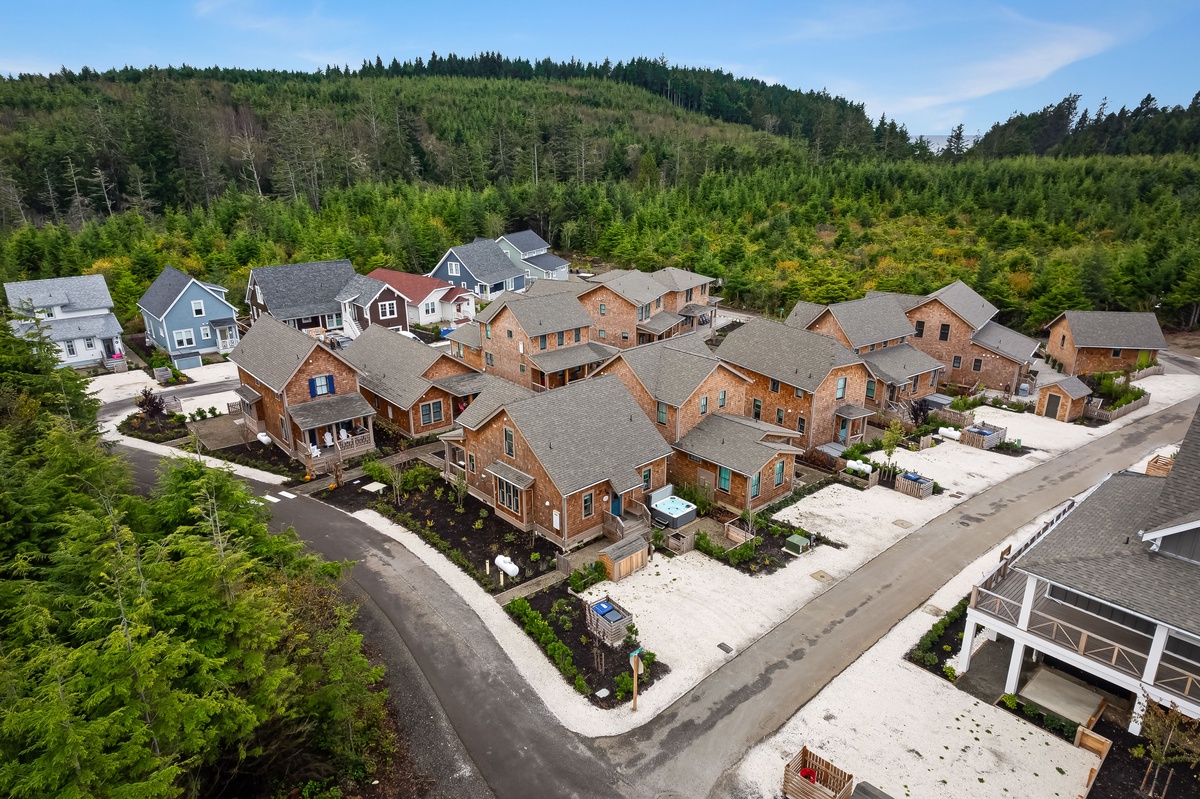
[531,253]
[481,267]
[186,317]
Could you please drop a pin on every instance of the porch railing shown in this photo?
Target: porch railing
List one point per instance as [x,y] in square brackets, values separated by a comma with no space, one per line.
[355,443]
[1088,644]
[1179,681]
[1001,607]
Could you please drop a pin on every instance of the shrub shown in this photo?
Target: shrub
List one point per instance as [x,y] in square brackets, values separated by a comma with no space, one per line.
[581,685]
[418,478]
[1010,701]
[950,673]
[624,685]
[378,472]
[540,630]
[585,577]
[696,496]
[213,412]
[151,404]
[1031,710]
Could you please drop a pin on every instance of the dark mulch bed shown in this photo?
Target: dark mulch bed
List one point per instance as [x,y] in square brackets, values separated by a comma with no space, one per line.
[258,455]
[1121,775]
[1055,725]
[571,628]
[427,516]
[1016,452]
[934,652]
[157,430]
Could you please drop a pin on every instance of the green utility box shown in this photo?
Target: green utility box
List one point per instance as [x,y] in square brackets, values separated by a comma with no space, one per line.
[796,544]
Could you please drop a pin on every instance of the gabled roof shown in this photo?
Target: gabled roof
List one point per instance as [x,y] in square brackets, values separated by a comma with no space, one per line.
[804,314]
[413,288]
[330,410]
[1114,330]
[572,285]
[900,363]
[737,442]
[494,397]
[677,279]
[1179,502]
[1095,551]
[965,302]
[103,325]
[360,290]
[163,292]
[871,320]
[660,323]
[572,357]
[547,262]
[272,351]
[638,288]
[1073,387]
[293,291]
[589,432]
[467,335]
[484,259]
[79,293]
[905,301]
[466,384]
[392,365]
[799,358]
[673,369]
[526,241]
[540,315]
[1005,341]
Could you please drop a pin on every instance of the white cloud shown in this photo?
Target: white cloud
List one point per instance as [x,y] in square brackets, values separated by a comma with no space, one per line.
[848,21]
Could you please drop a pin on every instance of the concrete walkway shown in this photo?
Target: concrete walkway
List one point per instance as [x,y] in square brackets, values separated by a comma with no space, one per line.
[690,749]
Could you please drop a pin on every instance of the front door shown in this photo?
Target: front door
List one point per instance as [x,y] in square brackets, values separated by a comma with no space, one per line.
[843,430]
[616,505]
[312,437]
[1052,402]
[706,479]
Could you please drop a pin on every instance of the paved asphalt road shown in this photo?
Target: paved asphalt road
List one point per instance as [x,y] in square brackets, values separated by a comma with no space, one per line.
[692,747]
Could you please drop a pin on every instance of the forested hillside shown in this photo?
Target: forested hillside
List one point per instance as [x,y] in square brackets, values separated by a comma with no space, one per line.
[217,171]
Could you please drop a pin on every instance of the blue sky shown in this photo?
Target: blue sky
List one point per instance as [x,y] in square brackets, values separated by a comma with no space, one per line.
[930,65]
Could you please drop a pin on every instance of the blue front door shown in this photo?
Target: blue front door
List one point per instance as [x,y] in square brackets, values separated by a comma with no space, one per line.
[616,505]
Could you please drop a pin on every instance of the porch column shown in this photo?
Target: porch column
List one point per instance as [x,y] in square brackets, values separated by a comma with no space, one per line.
[968,643]
[1027,602]
[1139,711]
[1013,681]
[1155,657]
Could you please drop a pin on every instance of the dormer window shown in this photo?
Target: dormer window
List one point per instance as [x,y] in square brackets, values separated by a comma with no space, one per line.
[453,268]
[197,307]
[48,313]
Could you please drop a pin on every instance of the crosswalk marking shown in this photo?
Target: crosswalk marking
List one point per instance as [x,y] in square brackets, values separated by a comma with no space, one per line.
[287,495]
[270,498]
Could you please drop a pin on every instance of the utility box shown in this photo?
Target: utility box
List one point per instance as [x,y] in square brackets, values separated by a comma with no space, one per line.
[796,544]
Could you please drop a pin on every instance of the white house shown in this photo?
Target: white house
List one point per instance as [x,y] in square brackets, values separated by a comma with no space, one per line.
[430,301]
[75,313]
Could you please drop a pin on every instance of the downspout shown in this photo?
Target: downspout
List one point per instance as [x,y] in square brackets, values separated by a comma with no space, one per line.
[563,524]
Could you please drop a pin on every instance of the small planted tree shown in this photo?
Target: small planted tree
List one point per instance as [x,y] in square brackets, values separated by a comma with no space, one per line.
[1171,737]
[151,404]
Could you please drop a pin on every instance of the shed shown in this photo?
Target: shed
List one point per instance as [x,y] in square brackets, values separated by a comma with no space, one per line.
[624,557]
[810,776]
[1064,400]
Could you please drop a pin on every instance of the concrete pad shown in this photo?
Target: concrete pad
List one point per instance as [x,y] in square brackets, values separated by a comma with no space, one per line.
[213,372]
[1052,691]
[221,432]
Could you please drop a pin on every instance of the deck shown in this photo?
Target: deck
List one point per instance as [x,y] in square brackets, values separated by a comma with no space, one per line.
[1110,644]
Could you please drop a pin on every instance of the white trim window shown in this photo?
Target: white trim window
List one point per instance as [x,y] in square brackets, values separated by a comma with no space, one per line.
[481,290]
[197,307]
[387,310]
[184,338]
[430,308]
[431,412]
[89,343]
[510,284]
[205,332]
[453,268]
[69,347]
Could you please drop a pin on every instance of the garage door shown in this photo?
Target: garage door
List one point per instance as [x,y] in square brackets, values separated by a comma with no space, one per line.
[188,362]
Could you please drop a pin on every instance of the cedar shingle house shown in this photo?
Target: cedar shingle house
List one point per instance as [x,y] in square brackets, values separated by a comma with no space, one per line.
[1086,342]
[740,463]
[1064,400]
[678,382]
[328,295]
[570,465]
[1111,589]
[801,380]
[74,313]
[417,389]
[629,307]
[301,394]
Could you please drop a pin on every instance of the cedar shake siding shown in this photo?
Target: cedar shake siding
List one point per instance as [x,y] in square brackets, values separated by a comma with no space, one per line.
[816,409]
[614,316]
[995,371]
[826,325]
[689,470]
[1120,341]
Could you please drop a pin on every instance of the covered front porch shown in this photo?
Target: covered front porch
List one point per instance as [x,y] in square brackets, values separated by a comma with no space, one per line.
[663,324]
[851,423]
[227,334]
[557,368]
[330,430]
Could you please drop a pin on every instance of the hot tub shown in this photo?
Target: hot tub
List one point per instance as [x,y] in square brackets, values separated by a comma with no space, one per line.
[672,512]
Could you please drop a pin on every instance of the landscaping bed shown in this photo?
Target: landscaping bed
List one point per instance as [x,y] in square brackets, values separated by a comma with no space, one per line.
[1121,775]
[763,554]
[591,665]
[937,648]
[258,455]
[1050,722]
[159,430]
[425,505]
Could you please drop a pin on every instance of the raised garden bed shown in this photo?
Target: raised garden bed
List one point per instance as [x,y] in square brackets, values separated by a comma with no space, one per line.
[1121,775]
[471,539]
[937,648]
[160,430]
[596,665]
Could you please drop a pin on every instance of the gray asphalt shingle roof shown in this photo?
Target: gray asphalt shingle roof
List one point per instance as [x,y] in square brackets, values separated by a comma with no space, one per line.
[360,290]
[491,399]
[79,293]
[677,279]
[392,365]
[1005,341]
[330,410]
[572,285]
[547,261]
[509,474]
[466,384]
[74,327]
[587,433]
[673,369]
[871,320]
[1180,497]
[1115,329]
[272,351]
[542,314]
[905,301]
[1073,387]
[736,442]
[526,241]
[799,358]
[1095,550]
[576,355]
[486,261]
[165,289]
[661,322]
[804,314]
[964,301]
[637,287]
[467,335]
[293,291]
[900,363]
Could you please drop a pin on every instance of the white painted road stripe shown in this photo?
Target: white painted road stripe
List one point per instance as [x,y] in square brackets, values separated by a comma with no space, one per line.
[270,498]
[287,495]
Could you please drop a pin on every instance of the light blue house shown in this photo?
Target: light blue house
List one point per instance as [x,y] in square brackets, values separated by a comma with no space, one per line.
[482,268]
[186,318]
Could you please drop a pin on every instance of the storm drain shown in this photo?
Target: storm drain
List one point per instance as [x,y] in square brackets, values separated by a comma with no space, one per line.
[726,648]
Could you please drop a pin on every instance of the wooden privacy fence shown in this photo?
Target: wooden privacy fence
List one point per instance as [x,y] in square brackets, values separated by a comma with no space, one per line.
[951,416]
[920,488]
[983,435]
[1093,410]
[810,776]
[611,631]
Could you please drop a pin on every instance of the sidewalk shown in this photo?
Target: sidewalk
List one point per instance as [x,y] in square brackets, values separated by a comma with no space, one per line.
[110,432]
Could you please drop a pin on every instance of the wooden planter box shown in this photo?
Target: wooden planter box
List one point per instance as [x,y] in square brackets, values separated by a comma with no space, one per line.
[914,488]
[1159,466]
[1094,412]
[857,478]
[950,416]
[680,542]
[830,782]
[983,435]
[610,632]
